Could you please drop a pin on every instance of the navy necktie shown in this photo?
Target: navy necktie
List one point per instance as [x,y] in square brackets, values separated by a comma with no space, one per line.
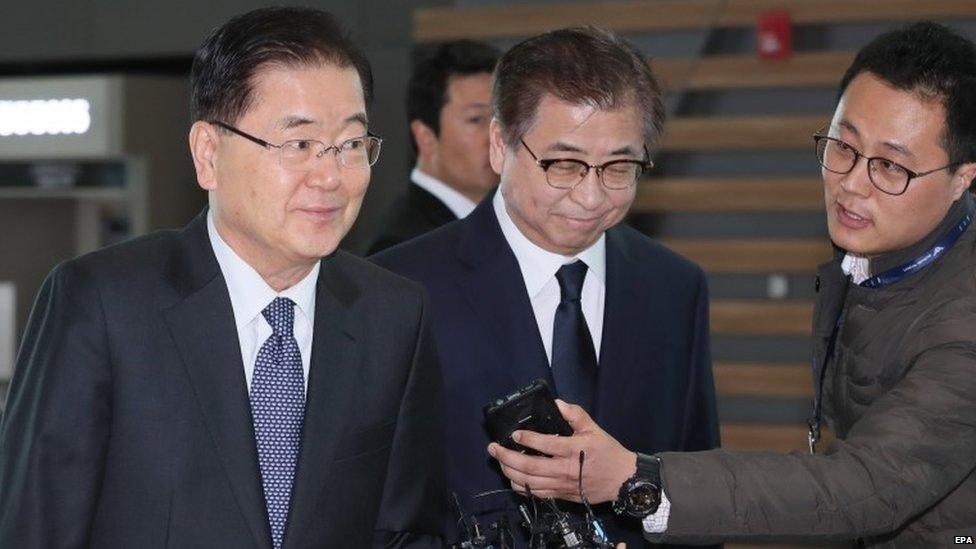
[574,360]
[278,409]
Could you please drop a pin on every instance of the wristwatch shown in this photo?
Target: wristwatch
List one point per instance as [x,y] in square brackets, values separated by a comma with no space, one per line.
[640,495]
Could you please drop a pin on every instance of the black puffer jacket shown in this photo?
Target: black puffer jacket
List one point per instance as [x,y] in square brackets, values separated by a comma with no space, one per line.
[900,393]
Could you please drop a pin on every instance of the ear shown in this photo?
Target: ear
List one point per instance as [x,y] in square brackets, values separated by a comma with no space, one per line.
[424,137]
[203,148]
[962,179]
[496,146]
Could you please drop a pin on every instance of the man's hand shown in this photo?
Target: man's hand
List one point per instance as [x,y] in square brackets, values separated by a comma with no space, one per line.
[606,467]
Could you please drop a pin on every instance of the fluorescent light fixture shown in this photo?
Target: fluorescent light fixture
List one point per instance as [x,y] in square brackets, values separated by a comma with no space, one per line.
[44,117]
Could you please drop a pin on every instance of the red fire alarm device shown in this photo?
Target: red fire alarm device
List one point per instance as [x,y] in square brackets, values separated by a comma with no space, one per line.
[774,35]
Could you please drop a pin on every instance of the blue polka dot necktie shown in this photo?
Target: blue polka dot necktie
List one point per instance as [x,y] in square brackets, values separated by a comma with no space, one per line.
[574,362]
[278,409]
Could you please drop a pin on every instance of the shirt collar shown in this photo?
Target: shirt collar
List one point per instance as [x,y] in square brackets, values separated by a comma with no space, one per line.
[249,293]
[538,265]
[856,267]
[455,201]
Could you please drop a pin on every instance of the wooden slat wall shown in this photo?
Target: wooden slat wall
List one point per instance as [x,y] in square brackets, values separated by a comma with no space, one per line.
[790,318]
[770,436]
[752,379]
[748,71]
[734,133]
[687,194]
[493,22]
[791,255]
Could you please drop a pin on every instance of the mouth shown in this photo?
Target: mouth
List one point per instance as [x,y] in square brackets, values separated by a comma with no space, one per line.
[321,213]
[580,221]
[852,219]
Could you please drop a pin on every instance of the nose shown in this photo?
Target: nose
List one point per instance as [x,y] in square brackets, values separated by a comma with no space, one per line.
[858,180]
[325,171]
[589,192]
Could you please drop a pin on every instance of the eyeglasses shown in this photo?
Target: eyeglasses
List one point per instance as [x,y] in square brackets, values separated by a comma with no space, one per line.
[887,176]
[300,154]
[566,173]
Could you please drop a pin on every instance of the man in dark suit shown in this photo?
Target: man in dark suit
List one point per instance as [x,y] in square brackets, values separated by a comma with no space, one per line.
[239,383]
[448,107]
[541,281]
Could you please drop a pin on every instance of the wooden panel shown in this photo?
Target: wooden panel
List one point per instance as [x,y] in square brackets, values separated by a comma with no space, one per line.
[488,22]
[749,71]
[753,379]
[729,195]
[766,318]
[731,133]
[769,436]
[792,255]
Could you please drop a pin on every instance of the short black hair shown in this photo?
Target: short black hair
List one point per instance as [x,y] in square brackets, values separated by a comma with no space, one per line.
[580,65]
[936,63]
[224,67]
[434,65]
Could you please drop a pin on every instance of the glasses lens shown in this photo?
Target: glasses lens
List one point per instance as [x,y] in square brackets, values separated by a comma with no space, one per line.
[835,155]
[888,176]
[620,175]
[297,154]
[359,152]
[373,145]
[565,174]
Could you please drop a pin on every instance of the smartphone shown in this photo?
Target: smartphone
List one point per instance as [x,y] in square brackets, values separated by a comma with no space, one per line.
[531,408]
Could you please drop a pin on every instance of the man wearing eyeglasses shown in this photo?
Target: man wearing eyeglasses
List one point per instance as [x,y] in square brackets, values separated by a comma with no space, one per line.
[239,383]
[894,359]
[542,281]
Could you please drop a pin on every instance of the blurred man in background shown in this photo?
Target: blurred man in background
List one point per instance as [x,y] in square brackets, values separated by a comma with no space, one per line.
[448,106]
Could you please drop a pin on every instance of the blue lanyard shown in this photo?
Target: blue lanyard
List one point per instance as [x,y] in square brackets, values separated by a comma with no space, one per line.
[894,275]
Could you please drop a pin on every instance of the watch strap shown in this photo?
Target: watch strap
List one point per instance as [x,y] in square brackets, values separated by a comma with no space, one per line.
[649,468]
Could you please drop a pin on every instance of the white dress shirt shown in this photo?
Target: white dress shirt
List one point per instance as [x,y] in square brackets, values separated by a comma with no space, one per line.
[857,267]
[461,205]
[539,268]
[250,294]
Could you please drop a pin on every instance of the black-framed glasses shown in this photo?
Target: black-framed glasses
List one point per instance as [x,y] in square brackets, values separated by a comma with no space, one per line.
[300,154]
[566,173]
[887,176]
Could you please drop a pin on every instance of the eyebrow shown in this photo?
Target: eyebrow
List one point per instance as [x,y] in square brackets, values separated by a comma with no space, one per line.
[849,127]
[897,147]
[294,121]
[559,146]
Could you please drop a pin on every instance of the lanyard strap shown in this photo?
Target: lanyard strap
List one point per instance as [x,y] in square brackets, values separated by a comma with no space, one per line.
[894,275]
[888,277]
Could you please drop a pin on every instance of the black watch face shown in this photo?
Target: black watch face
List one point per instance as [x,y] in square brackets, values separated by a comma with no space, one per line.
[642,499]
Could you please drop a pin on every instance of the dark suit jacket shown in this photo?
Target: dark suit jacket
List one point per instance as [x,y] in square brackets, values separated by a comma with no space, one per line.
[655,384]
[128,422]
[412,214]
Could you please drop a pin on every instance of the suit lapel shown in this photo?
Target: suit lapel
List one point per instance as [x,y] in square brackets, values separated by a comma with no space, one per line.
[202,326]
[332,390]
[429,206]
[496,291]
[626,329]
